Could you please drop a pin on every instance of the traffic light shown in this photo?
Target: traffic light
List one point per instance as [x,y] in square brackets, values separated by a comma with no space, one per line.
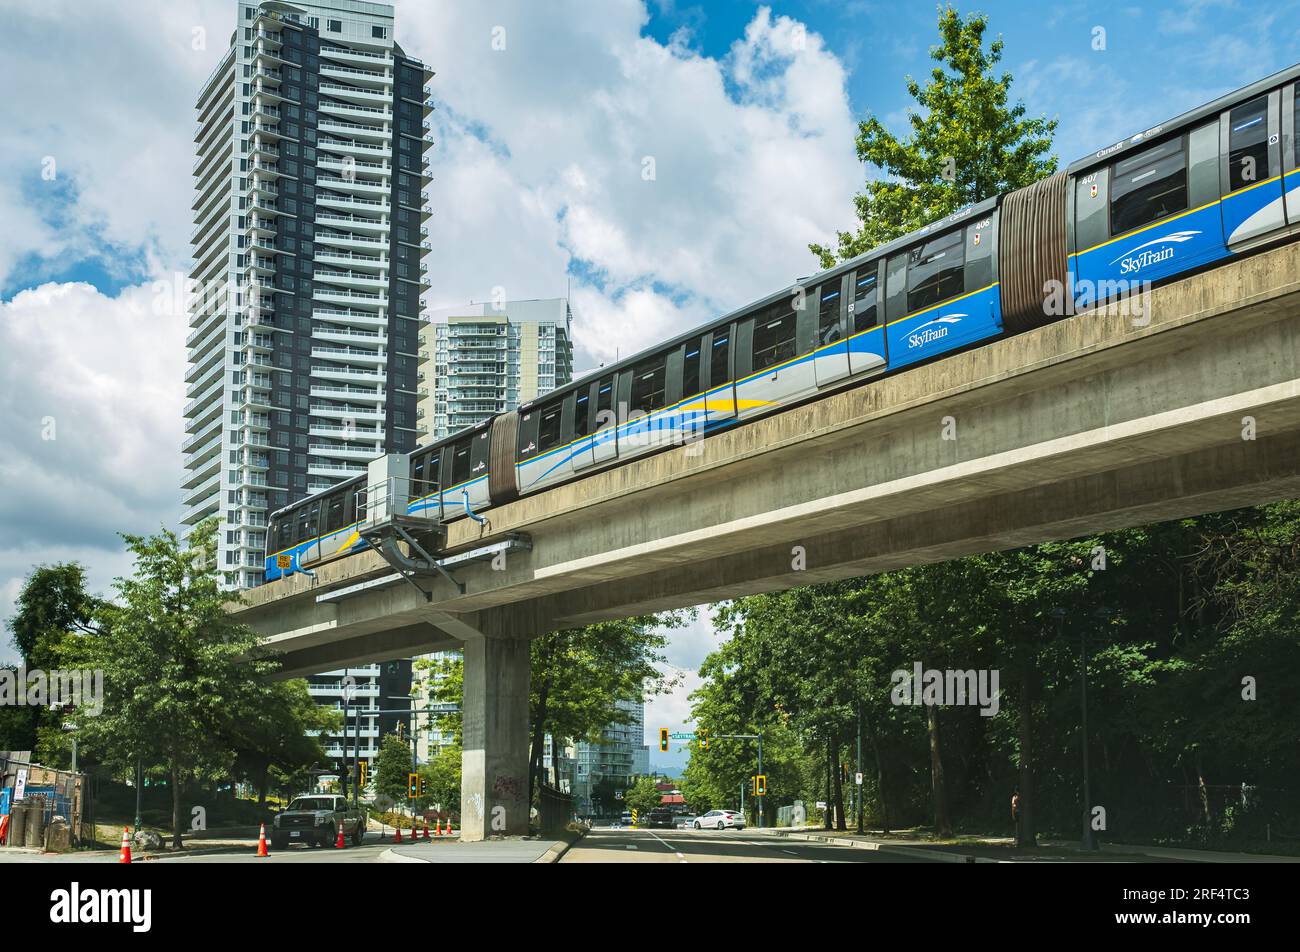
[414,786]
[663,740]
[760,785]
[401,730]
[704,741]
[365,772]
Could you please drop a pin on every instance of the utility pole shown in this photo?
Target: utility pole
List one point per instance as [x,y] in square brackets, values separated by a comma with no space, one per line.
[857,786]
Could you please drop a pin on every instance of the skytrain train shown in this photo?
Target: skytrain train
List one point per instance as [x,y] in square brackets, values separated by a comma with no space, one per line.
[1181,197]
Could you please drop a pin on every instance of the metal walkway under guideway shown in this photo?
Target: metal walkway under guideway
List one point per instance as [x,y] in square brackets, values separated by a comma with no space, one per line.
[389,526]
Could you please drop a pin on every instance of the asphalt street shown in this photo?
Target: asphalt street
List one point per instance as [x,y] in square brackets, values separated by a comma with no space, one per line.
[711,846]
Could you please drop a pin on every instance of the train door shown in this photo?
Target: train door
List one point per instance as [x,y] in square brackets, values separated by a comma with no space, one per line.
[830,347]
[866,344]
[456,466]
[584,425]
[1250,156]
[720,404]
[1290,148]
[604,421]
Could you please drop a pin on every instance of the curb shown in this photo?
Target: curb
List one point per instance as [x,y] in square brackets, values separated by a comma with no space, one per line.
[559,849]
[392,856]
[942,856]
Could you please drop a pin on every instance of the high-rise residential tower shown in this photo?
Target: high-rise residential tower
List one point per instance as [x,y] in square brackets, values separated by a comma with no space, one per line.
[490,358]
[308,245]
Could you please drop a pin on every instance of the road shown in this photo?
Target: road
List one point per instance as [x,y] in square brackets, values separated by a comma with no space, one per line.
[711,846]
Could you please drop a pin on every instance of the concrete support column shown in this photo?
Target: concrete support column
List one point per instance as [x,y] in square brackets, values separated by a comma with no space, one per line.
[494,759]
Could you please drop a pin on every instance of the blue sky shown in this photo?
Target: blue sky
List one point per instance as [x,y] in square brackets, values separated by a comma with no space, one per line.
[538,187]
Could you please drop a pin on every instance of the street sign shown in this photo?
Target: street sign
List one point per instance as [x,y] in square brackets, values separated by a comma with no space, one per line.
[634,816]
[20,785]
[284,561]
[682,735]
[858,778]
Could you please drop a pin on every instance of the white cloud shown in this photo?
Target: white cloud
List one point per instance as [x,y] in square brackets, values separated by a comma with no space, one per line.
[91,398]
[542,149]
[107,91]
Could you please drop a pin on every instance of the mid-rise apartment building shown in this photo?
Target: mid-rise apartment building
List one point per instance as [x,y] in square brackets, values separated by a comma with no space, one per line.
[484,359]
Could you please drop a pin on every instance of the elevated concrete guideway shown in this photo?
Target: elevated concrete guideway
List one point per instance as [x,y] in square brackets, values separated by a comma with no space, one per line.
[1087,424]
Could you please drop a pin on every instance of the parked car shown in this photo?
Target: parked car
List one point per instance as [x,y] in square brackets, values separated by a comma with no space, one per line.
[686,821]
[316,820]
[661,817]
[625,819]
[720,820]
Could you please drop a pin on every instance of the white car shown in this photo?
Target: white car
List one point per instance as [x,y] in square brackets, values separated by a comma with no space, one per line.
[720,820]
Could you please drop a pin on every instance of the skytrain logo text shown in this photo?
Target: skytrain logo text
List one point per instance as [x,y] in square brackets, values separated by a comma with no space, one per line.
[1144,255]
[928,332]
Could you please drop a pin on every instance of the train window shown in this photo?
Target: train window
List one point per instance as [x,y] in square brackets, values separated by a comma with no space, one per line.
[720,362]
[649,382]
[864,300]
[301,529]
[774,338]
[548,428]
[460,462]
[828,314]
[334,514]
[582,414]
[605,402]
[934,271]
[1295,129]
[1148,187]
[691,368]
[1248,144]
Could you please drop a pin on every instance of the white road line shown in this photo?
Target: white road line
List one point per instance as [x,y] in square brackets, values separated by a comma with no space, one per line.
[668,845]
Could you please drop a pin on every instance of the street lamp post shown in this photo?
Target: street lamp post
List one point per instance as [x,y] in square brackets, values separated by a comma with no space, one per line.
[1088,840]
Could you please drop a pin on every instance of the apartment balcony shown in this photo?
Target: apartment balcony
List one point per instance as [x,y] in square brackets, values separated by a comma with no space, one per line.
[347,412]
[351,279]
[337,432]
[339,470]
[360,454]
[355,93]
[350,336]
[264,111]
[213,391]
[260,227]
[202,373]
[337,296]
[206,454]
[358,394]
[369,206]
[357,166]
[202,415]
[370,114]
[258,421]
[357,185]
[354,130]
[203,434]
[267,170]
[209,506]
[351,222]
[264,149]
[201,487]
[350,259]
[349,147]
[362,319]
[358,57]
[349,375]
[354,75]
[376,358]
[356,242]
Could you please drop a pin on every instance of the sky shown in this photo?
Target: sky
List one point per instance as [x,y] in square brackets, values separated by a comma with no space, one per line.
[744,113]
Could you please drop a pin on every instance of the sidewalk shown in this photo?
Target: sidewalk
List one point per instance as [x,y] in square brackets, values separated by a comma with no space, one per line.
[513,850]
[974,849]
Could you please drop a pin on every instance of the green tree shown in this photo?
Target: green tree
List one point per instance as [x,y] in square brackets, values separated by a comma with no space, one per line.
[178,673]
[642,796]
[965,143]
[393,768]
[442,779]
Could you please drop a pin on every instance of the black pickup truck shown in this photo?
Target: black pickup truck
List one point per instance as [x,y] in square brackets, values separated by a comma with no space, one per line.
[316,820]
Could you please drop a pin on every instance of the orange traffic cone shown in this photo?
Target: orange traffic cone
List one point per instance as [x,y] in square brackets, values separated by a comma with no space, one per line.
[125,855]
[338,844]
[426,830]
[437,826]
[397,834]
[261,842]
